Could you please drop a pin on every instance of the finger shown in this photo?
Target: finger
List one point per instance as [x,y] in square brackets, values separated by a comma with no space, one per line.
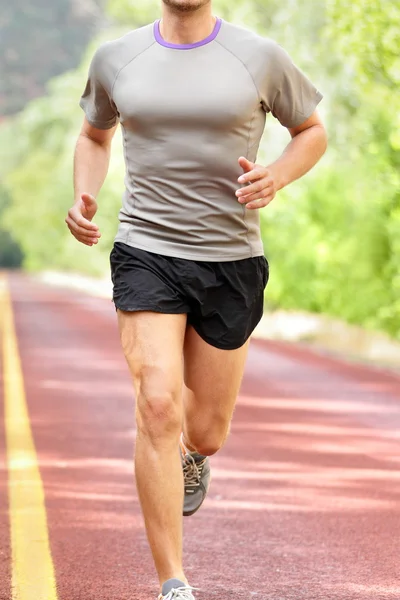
[89,203]
[85,224]
[88,199]
[78,230]
[252,175]
[75,216]
[87,243]
[254,188]
[85,240]
[246,164]
[260,203]
[265,193]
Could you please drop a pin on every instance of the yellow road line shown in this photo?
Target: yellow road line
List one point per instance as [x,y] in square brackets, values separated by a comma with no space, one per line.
[33,575]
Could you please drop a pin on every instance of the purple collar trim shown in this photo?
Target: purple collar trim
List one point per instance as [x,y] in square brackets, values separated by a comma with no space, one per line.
[207,40]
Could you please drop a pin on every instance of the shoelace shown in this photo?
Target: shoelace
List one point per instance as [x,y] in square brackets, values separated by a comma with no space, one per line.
[192,473]
[182,593]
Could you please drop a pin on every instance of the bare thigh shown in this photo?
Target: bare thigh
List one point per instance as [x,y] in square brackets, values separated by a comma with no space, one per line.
[212,380]
[153,344]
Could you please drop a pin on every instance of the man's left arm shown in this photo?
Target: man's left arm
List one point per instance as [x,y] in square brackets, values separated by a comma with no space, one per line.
[308,144]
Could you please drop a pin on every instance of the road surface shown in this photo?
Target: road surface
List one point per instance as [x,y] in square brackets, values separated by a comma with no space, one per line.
[305,498]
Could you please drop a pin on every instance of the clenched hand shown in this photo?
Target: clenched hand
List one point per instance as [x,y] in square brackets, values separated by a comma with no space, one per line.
[261,188]
[79,220]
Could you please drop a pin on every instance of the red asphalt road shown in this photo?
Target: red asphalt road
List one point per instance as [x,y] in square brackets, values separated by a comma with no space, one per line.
[305,498]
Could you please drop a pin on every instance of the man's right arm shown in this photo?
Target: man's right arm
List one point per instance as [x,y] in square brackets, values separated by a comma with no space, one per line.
[91,161]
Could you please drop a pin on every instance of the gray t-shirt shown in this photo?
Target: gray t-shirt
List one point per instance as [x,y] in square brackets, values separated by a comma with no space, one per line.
[188,112]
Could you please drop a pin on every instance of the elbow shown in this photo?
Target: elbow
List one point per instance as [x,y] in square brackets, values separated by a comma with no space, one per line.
[325,142]
[85,136]
[322,138]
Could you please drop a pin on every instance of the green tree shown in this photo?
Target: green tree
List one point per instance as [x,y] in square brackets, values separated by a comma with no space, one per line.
[10,252]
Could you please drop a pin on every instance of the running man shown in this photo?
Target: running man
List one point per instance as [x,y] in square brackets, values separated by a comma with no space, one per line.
[191,92]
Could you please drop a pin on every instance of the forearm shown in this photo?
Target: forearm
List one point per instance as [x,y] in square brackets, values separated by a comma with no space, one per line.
[91,163]
[301,154]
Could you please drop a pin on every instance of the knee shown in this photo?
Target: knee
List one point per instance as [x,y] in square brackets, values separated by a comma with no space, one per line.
[209,441]
[158,412]
[208,447]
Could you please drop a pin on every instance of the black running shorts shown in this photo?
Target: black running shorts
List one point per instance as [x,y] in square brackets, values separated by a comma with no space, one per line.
[223,300]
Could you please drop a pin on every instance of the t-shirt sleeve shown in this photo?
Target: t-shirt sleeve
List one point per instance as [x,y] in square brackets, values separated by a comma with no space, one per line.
[287,93]
[96,100]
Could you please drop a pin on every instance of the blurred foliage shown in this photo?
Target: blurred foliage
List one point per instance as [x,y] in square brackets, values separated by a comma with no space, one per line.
[10,252]
[38,176]
[38,42]
[368,33]
[333,238]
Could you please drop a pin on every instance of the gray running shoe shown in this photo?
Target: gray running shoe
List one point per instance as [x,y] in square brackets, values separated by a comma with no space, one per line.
[174,589]
[197,477]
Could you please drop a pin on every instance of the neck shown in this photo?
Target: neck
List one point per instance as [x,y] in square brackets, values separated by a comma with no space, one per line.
[186,28]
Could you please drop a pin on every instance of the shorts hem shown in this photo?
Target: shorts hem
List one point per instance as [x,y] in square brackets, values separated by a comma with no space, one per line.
[216,344]
[148,308]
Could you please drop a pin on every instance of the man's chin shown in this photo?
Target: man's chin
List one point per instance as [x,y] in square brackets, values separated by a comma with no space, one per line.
[185,5]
